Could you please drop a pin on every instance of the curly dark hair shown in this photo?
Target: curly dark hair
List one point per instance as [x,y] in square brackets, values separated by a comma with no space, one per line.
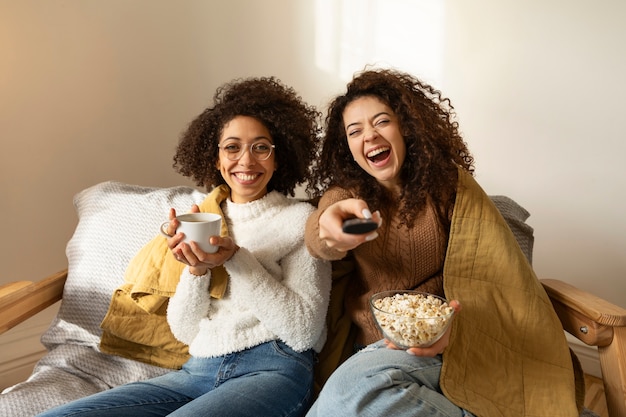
[434,146]
[293,124]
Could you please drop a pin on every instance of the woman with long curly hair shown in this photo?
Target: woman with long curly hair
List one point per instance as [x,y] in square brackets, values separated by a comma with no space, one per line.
[393,155]
[252,313]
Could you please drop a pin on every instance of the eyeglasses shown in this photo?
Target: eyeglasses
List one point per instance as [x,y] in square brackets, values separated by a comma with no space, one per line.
[234,150]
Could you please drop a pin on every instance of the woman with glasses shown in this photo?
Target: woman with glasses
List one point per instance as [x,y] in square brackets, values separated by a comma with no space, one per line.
[251,348]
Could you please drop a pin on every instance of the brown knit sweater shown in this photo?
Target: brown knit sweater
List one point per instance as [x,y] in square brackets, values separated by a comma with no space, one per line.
[399,258]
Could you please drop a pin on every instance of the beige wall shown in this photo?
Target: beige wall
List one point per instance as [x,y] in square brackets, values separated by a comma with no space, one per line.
[92,90]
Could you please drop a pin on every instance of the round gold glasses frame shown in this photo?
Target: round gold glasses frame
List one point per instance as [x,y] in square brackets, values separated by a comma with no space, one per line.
[260,151]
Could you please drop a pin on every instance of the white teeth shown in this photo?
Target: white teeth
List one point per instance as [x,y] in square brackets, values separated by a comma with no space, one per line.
[376,152]
[245,177]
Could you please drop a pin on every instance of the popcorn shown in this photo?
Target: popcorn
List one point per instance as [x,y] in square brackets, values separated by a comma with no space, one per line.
[411,320]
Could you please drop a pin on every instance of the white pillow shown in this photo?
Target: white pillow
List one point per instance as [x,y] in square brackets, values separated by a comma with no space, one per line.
[114,221]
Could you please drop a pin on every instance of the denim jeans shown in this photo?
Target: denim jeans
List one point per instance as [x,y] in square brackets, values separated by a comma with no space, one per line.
[377,381]
[267,380]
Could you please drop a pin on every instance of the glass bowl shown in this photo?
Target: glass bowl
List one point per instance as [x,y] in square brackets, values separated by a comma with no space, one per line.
[411,318]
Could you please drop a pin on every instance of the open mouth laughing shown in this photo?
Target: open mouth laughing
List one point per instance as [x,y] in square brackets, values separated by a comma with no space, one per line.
[378,154]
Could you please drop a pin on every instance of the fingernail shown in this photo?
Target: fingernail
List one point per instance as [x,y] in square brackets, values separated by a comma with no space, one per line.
[366,213]
[380,222]
[410,352]
[371,236]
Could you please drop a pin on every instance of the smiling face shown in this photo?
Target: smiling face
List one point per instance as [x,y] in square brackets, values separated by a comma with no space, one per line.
[247,177]
[375,140]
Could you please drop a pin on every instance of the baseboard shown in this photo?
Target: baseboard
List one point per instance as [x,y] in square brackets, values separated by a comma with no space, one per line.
[587,355]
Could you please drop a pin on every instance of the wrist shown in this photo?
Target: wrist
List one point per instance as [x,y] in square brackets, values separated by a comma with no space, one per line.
[232,254]
[198,271]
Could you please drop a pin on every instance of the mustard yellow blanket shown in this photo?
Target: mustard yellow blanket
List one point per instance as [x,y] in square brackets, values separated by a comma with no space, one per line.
[519,363]
[135,325]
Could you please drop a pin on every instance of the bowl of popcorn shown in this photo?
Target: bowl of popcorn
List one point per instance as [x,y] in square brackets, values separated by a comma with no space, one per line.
[411,318]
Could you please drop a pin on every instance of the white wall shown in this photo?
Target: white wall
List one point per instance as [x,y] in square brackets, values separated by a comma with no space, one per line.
[96,90]
[540,90]
[93,90]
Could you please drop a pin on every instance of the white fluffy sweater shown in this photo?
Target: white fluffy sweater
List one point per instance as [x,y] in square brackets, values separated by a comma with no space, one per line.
[276,289]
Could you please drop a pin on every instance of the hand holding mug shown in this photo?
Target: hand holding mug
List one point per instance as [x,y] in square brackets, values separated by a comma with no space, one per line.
[190,249]
[196,227]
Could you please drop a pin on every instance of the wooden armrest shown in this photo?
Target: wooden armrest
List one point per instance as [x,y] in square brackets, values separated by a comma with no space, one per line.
[23,299]
[585,303]
[9,290]
[584,315]
[598,323]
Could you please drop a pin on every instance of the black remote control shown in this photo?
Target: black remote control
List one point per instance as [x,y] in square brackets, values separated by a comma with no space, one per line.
[359,226]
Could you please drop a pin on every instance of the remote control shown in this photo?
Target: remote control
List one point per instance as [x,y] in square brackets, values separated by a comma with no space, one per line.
[359,226]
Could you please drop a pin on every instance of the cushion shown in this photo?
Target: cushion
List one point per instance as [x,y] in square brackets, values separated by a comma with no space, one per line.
[516,216]
[114,221]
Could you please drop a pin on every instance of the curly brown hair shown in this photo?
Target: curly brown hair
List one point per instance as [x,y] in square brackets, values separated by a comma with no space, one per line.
[292,123]
[434,146]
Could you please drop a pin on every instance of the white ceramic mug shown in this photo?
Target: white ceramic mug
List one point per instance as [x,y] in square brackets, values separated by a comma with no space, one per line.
[198,227]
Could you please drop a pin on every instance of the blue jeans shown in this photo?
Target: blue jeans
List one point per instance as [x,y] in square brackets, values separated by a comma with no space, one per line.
[267,380]
[377,381]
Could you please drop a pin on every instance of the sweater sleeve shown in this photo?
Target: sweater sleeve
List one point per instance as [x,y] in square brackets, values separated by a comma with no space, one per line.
[314,244]
[189,304]
[294,307]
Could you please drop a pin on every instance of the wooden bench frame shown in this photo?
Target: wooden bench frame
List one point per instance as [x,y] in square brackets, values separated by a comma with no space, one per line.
[590,319]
